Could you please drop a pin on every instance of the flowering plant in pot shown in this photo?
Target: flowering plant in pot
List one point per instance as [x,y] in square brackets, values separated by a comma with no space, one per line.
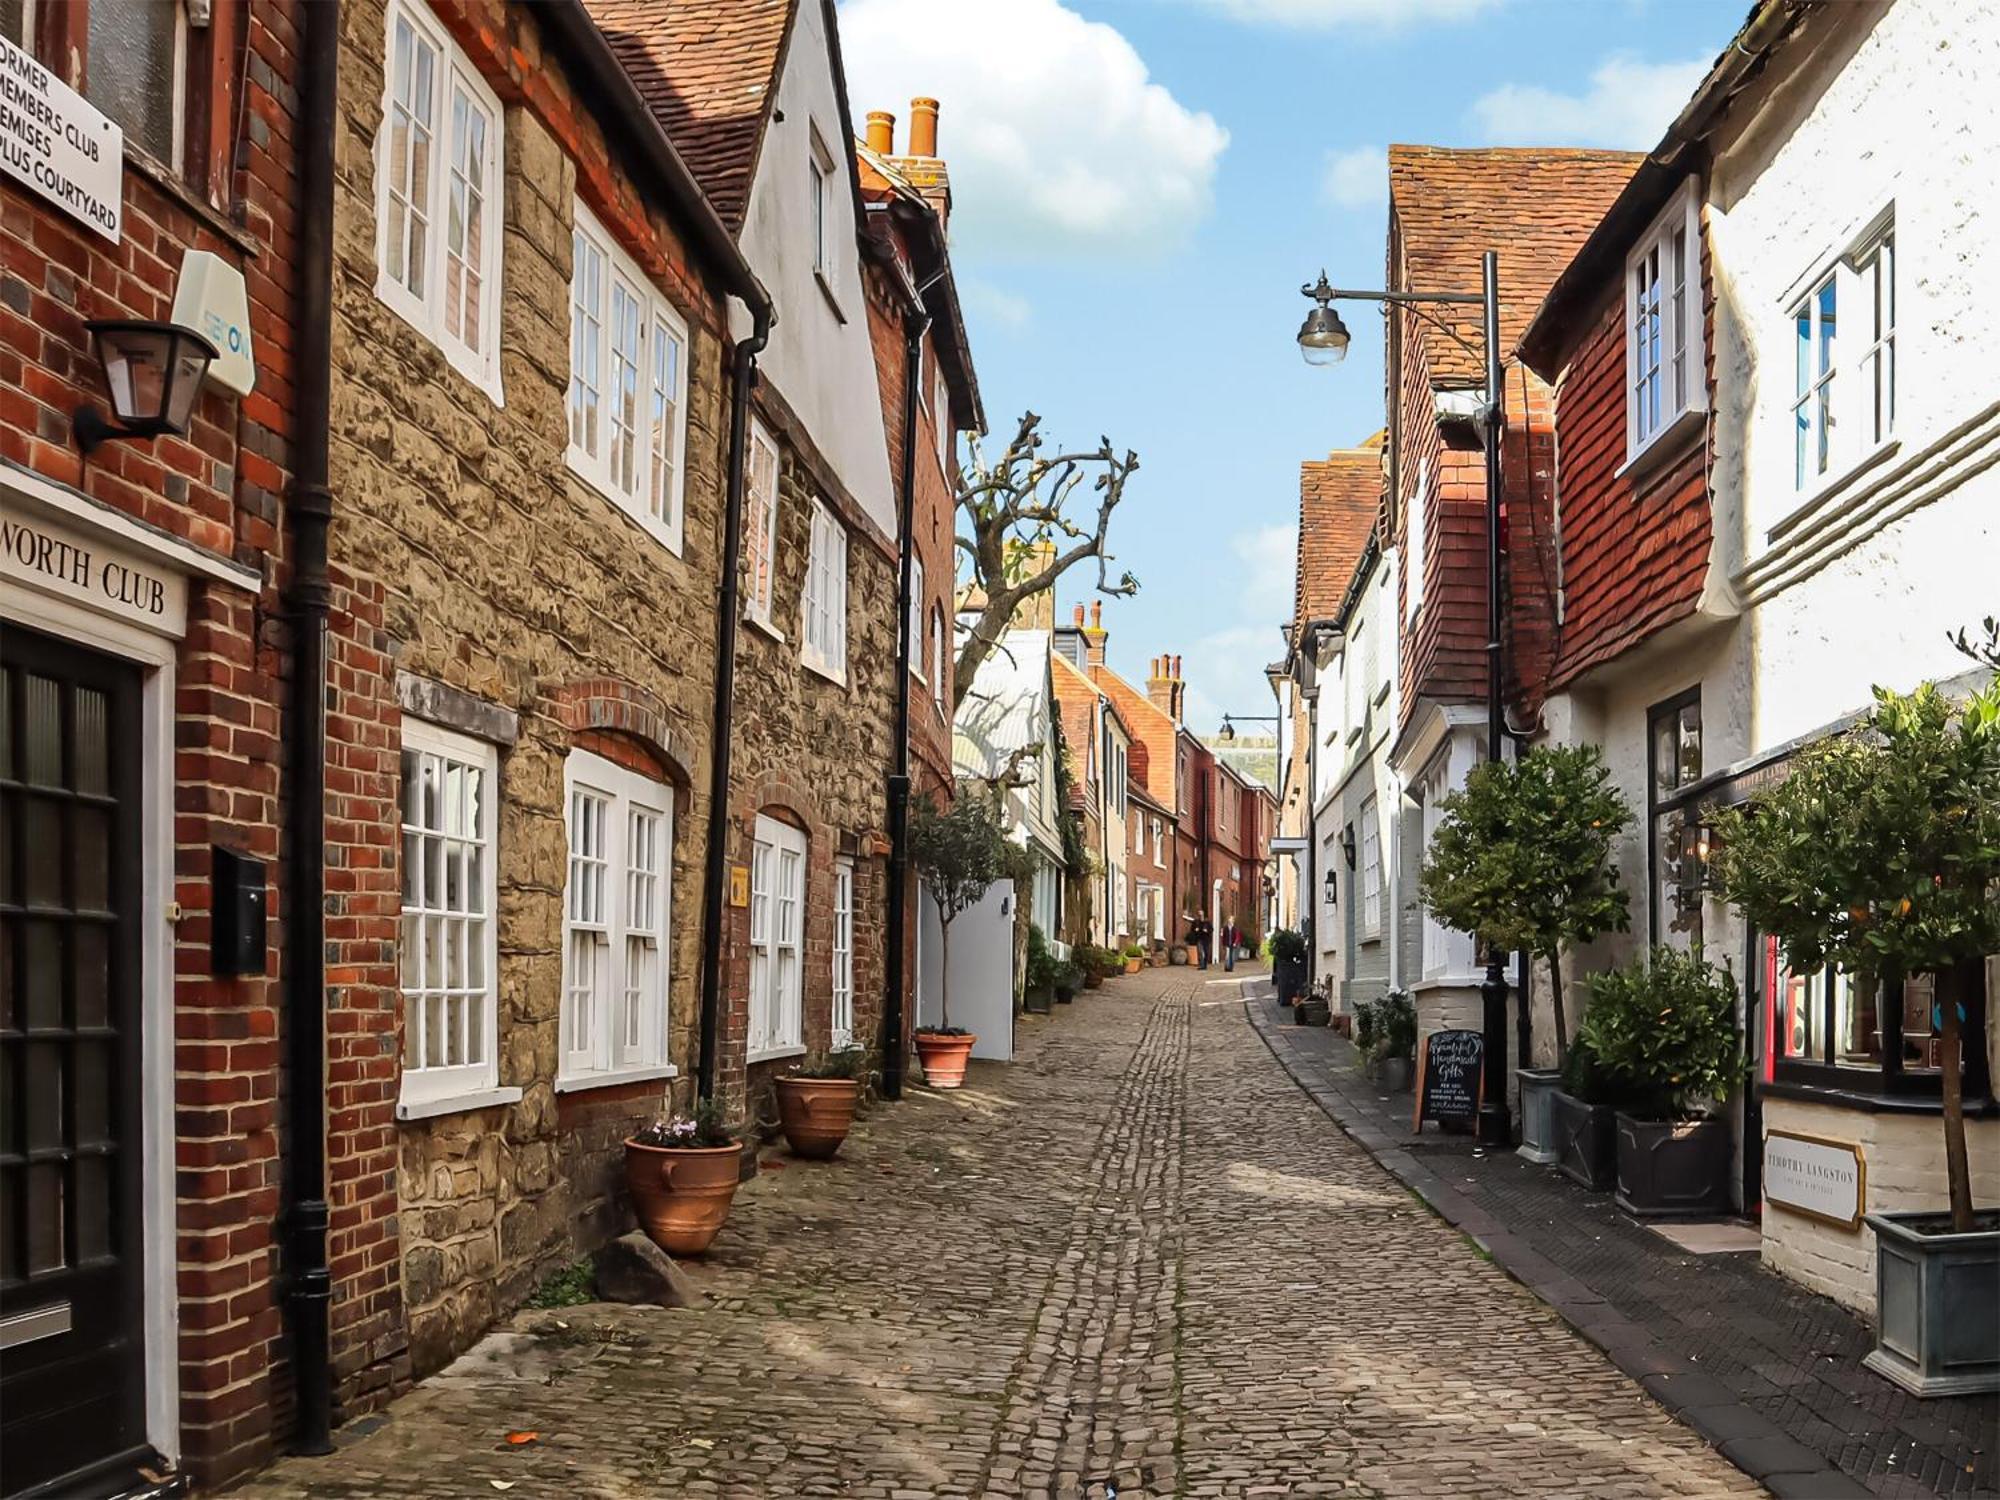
[1135,958]
[960,851]
[1664,1030]
[816,1101]
[682,1172]
[1879,854]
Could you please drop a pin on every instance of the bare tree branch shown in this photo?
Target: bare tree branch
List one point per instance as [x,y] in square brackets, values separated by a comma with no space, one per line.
[1012,510]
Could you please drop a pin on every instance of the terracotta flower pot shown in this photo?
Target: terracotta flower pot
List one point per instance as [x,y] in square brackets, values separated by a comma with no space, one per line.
[944,1057]
[682,1194]
[817,1113]
[1134,965]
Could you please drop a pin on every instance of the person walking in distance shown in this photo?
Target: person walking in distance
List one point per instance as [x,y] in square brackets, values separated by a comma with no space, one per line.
[1231,936]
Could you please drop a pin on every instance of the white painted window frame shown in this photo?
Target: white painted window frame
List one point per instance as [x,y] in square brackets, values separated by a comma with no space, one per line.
[761,497]
[1858,342]
[841,1010]
[428,1090]
[1413,546]
[823,600]
[660,328]
[941,682]
[426,313]
[590,1053]
[776,1019]
[915,623]
[1679,323]
[1371,869]
[941,420]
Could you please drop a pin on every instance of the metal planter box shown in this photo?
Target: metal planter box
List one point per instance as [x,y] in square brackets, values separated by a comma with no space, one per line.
[1538,1090]
[1585,1147]
[1673,1168]
[1937,1306]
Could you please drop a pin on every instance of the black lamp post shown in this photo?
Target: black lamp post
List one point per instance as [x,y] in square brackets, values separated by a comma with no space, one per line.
[1323,340]
[152,372]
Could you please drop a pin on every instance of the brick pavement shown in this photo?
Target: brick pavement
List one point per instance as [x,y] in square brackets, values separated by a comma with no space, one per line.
[1136,1261]
[1768,1371]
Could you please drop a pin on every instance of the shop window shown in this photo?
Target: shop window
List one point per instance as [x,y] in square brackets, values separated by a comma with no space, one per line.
[843,952]
[760,525]
[823,604]
[448,950]
[438,174]
[627,383]
[777,922]
[1676,837]
[617,905]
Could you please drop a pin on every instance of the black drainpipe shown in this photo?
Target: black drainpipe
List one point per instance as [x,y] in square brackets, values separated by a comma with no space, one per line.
[309,1289]
[743,375]
[915,325]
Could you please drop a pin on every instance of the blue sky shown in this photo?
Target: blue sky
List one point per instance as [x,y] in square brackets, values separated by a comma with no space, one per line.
[1142,185]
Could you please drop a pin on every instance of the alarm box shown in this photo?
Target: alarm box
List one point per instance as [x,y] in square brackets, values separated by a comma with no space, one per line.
[236,923]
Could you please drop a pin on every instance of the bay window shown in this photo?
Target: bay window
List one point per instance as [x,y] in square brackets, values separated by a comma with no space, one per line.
[617,904]
[777,919]
[628,383]
[438,174]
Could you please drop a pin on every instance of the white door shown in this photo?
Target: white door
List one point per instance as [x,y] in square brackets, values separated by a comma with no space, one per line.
[777,921]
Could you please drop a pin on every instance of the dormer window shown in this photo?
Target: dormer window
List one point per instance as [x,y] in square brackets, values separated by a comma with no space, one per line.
[1665,378]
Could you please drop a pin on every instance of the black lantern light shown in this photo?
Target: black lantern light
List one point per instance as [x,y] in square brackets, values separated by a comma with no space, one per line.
[1332,888]
[1347,845]
[152,371]
[1322,337]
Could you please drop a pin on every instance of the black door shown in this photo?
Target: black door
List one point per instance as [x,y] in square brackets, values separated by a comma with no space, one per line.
[72,1377]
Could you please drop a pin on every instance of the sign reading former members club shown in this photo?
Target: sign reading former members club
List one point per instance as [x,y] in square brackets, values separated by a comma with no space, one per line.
[58,144]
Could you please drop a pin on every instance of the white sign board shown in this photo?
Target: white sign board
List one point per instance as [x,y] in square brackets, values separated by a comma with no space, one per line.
[211,299]
[48,557]
[59,145]
[1823,1180]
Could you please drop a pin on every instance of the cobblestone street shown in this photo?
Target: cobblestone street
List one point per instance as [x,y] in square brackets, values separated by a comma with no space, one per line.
[1136,1261]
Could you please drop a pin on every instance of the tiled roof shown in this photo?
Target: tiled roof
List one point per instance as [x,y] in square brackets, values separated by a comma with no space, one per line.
[707,68]
[1338,499]
[1076,701]
[1153,729]
[1535,205]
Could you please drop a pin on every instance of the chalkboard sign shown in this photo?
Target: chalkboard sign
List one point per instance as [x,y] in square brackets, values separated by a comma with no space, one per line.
[1451,1077]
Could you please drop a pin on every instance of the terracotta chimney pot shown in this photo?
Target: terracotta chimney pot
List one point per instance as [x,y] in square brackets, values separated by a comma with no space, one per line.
[1097,614]
[923,127]
[881,132]
[1079,617]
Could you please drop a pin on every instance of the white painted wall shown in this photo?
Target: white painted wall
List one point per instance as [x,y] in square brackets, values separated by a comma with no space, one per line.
[819,357]
[982,970]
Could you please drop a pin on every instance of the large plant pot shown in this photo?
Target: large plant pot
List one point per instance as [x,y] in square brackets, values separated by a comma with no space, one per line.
[1670,1169]
[1586,1143]
[1177,955]
[682,1194]
[1065,993]
[944,1057]
[1538,1089]
[1037,1000]
[1092,979]
[817,1113]
[1290,977]
[1395,1073]
[1937,1304]
[1312,1012]
[1134,965]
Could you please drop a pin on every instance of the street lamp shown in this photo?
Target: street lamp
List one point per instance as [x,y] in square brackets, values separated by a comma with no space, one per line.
[152,372]
[1323,341]
[1227,734]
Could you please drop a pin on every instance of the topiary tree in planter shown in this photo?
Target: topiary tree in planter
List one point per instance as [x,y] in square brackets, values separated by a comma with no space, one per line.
[1521,859]
[1663,1031]
[959,852]
[1879,853]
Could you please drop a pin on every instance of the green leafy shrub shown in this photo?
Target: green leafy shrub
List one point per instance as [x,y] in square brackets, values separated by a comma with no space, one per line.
[1664,1031]
[1365,1022]
[1288,945]
[851,1061]
[1395,1029]
[1583,1076]
[1041,966]
[1135,950]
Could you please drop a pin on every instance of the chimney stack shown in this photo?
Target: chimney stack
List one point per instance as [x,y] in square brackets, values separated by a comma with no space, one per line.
[1164,687]
[881,132]
[923,127]
[1094,637]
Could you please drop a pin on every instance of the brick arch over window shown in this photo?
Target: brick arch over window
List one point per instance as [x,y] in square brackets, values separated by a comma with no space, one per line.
[625,724]
[789,799]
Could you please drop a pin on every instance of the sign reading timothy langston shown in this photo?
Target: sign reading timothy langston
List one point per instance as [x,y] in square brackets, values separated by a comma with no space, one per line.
[1823,1180]
[57,143]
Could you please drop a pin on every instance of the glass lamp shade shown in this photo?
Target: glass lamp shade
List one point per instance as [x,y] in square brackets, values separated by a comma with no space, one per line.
[1227,734]
[153,373]
[1323,337]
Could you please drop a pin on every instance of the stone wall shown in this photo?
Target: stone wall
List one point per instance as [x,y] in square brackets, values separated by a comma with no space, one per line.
[506,577]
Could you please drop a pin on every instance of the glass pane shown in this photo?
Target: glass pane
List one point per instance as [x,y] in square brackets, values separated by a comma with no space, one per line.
[1921,1051]
[92,746]
[92,1061]
[1802,345]
[1828,320]
[13,21]
[91,852]
[10,1095]
[1856,1025]
[41,855]
[42,726]
[90,955]
[44,1096]
[1690,744]
[134,71]
[93,1208]
[45,1218]
[43,973]
[1798,1016]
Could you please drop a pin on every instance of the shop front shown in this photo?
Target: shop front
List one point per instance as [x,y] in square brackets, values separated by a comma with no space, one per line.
[93,610]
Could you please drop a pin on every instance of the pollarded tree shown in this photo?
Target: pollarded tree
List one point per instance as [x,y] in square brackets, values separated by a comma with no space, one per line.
[1879,853]
[1522,861]
[1020,531]
[959,852]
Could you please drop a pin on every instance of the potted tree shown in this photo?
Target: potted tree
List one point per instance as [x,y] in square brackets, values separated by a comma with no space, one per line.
[960,852]
[1665,1030]
[1521,861]
[1879,853]
[1039,975]
[816,1103]
[1582,1139]
[682,1172]
[1288,964]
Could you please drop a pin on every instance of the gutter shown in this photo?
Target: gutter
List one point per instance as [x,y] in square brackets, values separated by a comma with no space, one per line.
[306,1214]
[743,371]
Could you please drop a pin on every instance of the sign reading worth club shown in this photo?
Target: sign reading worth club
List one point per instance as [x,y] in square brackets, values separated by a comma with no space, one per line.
[53,141]
[1823,1180]
[43,555]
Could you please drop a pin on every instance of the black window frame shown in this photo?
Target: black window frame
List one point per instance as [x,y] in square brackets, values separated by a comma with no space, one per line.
[1687,794]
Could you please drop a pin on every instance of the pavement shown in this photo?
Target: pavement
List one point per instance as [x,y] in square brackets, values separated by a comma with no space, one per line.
[1138,1260]
[1766,1371]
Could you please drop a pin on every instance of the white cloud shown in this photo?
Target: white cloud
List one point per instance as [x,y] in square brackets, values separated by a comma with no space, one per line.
[996,304]
[1229,661]
[1058,142]
[1325,15]
[1356,179]
[1629,104]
